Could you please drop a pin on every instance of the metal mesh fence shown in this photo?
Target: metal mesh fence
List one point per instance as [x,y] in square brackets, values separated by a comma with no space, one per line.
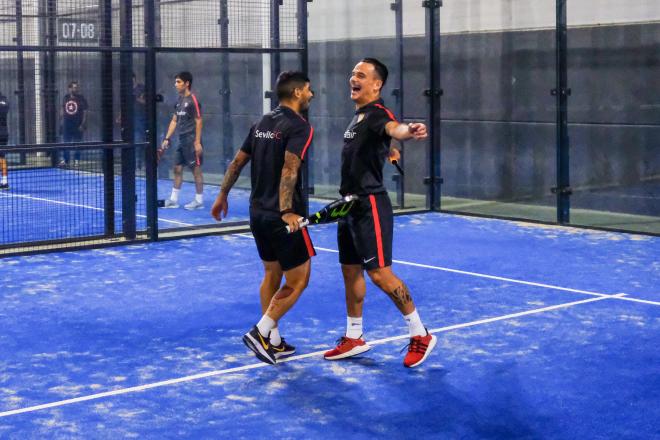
[228,23]
[44,205]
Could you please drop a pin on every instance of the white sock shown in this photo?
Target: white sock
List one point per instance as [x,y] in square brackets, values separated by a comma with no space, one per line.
[199,198]
[4,180]
[415,325]
[265,325]
[275,337]
[353,327]
[175,195]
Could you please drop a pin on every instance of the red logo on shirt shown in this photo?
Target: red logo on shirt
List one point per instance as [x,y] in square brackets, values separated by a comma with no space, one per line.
[71,107]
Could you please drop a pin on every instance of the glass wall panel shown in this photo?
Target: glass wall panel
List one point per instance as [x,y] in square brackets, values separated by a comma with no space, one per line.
[498,116]
[614,114]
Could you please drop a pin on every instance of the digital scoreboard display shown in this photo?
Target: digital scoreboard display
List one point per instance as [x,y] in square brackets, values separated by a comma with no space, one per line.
[75,30]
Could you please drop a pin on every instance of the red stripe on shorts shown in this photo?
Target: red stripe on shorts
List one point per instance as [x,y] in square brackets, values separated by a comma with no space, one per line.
[379,236]
[308,242]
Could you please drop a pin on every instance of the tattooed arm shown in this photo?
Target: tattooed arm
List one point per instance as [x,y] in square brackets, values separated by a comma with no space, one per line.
[220,206]
[287,189]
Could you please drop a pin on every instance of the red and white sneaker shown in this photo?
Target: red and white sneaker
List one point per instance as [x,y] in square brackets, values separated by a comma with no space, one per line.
[347,347]
[419,349]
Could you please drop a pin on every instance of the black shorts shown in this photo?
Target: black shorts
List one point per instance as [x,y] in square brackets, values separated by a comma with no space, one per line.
[274,243]
[365,235]
[185,153]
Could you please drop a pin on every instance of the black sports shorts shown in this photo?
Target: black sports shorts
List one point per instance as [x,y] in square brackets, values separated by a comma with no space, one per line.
[185,153]
[274,243]
[3,141]
[365,235]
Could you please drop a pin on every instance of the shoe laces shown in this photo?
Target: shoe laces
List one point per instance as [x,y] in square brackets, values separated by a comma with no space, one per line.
[342,341]
[416,345]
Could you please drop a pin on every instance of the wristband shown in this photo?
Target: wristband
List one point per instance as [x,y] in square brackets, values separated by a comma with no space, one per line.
[286,211]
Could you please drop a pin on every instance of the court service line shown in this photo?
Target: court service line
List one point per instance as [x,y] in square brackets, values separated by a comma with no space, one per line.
[57,202]
[511,280]
[193,377]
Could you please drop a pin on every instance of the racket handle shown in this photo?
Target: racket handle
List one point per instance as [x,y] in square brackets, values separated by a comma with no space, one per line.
[302,222]
[398,167]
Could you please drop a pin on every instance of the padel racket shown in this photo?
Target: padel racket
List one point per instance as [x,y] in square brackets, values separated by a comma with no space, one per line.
[330,212]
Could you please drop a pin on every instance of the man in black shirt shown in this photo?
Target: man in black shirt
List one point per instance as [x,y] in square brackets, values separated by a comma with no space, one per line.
[187,118]
[277,145]
[4,139]
[365,235]
[74,120]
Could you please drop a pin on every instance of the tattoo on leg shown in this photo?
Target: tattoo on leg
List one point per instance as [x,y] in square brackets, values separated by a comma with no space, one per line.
[283,292]
[400,295]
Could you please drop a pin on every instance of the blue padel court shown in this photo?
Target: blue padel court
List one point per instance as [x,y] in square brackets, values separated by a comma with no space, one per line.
[543,332]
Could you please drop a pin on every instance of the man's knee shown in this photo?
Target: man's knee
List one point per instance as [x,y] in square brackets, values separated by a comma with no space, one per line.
[383,277]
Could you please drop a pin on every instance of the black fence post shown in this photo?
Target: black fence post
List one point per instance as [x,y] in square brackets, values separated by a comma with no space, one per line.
[107,119]
[434,94]
[225,89]
[397,7]
[563,189]
[48,39]
[151,165]
[20,77]
[307,171]
[275,59]
[127,120]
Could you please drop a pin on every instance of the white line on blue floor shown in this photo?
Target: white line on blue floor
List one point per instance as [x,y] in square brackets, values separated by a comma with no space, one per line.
[193,377]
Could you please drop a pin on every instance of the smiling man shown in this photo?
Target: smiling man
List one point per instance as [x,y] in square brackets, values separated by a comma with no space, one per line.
[365,235]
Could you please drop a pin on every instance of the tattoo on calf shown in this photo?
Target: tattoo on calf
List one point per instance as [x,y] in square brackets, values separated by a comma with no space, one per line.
[401,295]
[283,292]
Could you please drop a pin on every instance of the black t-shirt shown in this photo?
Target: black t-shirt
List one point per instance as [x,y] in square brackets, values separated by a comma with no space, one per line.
[74,107]
[278,131]
[187,110]
[4,110]
[366,146]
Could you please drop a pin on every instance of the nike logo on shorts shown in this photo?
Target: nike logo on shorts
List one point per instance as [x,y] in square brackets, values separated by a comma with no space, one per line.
[366,261]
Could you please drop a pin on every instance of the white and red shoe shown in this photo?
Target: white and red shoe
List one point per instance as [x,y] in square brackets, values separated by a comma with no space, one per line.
[419,349]
[347,347]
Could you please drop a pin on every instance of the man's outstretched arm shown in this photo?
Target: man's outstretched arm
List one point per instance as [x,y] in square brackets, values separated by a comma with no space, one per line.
[402,131]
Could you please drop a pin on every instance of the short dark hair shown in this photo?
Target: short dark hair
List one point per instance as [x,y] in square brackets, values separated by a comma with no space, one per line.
[288,82]
[381,69]
[185,77]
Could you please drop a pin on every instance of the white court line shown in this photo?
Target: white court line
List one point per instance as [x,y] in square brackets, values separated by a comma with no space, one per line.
[289,359]
[57,202]
[624,297]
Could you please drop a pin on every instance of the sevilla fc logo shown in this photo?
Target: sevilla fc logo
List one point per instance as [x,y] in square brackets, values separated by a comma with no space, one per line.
[71,107]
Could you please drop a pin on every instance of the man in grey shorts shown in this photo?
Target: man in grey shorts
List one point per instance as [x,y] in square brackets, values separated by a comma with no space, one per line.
[187,118]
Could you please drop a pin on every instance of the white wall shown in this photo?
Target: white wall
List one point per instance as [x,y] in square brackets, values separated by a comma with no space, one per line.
[355,19]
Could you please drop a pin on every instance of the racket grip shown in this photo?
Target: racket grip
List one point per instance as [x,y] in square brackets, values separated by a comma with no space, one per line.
[398,167]
[302,224]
